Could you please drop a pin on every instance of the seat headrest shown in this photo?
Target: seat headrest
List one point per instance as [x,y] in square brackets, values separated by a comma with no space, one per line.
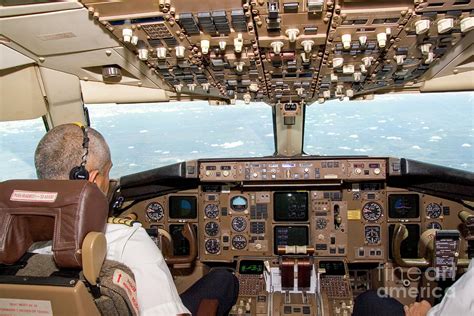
[63,211]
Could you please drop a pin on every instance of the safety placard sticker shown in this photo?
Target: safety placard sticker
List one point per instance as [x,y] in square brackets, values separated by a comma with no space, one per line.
[33,196]
[127,283]
[353,214]
[21,307]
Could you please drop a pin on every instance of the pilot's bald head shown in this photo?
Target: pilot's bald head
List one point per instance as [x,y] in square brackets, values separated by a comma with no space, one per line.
[61,149]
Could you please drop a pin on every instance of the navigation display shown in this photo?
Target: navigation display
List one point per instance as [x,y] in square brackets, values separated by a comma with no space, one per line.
[182,207]
[251,267]
[290,236]
[403,206]
[290,206]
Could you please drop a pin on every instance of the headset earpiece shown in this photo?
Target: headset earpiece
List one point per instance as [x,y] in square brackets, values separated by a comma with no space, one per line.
[80,172]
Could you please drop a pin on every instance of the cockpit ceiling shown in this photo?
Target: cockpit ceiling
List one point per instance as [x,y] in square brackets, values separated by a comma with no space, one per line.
[286,51]
[290,51]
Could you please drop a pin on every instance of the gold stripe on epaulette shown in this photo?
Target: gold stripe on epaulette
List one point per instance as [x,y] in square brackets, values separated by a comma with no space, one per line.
[123,221]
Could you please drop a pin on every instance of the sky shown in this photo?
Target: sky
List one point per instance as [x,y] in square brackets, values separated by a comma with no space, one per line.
[435,128]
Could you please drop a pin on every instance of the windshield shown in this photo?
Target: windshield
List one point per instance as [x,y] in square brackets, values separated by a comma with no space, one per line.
[436,128]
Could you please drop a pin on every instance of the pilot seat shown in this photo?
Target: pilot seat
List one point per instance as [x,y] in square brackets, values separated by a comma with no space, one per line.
[74,280]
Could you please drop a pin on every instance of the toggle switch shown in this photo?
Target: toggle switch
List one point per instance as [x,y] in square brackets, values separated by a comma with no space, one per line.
[222,45]
[143,54]
[205,46]
[134,40]
[127,35]
[307,45]
[363,69]
[346,41]
[191,86]
[239,66]
[367,61]
[292,34]
[334,77]
[238,43]
[363,40]
[429,58]
[400,59]
[425,48]
[276,46]
[382,39]
[205,86]
[357,76]
[178,87]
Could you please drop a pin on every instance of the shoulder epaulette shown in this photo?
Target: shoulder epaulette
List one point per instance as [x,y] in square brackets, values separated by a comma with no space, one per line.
[123,221]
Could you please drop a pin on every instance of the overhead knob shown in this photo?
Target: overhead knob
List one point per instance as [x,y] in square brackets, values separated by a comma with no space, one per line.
[349,93]
[445,25]
[327,94]
[178,87]
[307,45]
[363,69]
[367,61]
[292,34]
[205,86]
[134,40]
[239,66]
[348,69]
[334,77]
[247,97]
[422,26]
[179,51]
[429,58]
[276,46]
[357,76]
[161,52]
[304,57]
[143,54]
[191,86]
[346,41]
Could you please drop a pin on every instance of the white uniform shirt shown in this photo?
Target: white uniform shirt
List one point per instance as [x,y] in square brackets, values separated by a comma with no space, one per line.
[156,292]
[459,299]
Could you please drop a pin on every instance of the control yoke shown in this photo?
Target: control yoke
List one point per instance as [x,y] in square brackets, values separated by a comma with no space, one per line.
[189,234]
[438,248]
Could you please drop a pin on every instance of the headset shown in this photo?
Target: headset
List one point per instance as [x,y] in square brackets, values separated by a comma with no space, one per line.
[80,172]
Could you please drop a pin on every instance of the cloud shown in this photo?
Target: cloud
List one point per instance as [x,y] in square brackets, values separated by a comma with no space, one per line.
[374,128]
[269,135]
[382,121]
[394,138]
[415,147]
[143,131]
[344,148]
[466,145]
[354,136]
[131,147]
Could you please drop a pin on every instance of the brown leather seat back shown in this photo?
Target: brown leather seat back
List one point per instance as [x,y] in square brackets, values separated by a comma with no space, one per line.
[63,211]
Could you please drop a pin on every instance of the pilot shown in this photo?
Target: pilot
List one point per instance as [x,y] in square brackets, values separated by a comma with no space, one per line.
[69,146]
[458,300]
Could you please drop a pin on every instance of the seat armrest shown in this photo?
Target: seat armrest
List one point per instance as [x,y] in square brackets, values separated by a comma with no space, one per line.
[94,249]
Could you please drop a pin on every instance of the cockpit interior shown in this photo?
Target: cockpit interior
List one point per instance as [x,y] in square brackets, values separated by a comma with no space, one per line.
[304,234]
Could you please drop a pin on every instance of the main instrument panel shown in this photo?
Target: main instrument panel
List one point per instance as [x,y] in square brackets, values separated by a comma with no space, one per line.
[342,207]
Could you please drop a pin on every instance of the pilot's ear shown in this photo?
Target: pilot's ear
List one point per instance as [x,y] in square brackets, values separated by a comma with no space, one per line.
[93,175]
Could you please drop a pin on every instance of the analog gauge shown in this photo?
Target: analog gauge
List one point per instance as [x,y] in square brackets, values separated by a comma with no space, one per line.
[321,223]
[372,211]
[433,210]
[239,224]
[211,229]
[211,211]
[212,246]
[434,225]
[154,212]
[239,242]
[238,203]
[372,235]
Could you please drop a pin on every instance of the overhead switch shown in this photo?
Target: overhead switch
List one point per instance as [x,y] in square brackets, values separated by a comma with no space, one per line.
[422,26]
[307,45]
[292,34]
[382,39]
[367,61]
[238,43]
[467,24]
[127,35]
[445,25]
[276,46]
[161,52]
[346,41]
[337,62]
[205,46]
[425,48]
[222,45]
[179,51]
[400,59]
[362,40]
[134,40]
